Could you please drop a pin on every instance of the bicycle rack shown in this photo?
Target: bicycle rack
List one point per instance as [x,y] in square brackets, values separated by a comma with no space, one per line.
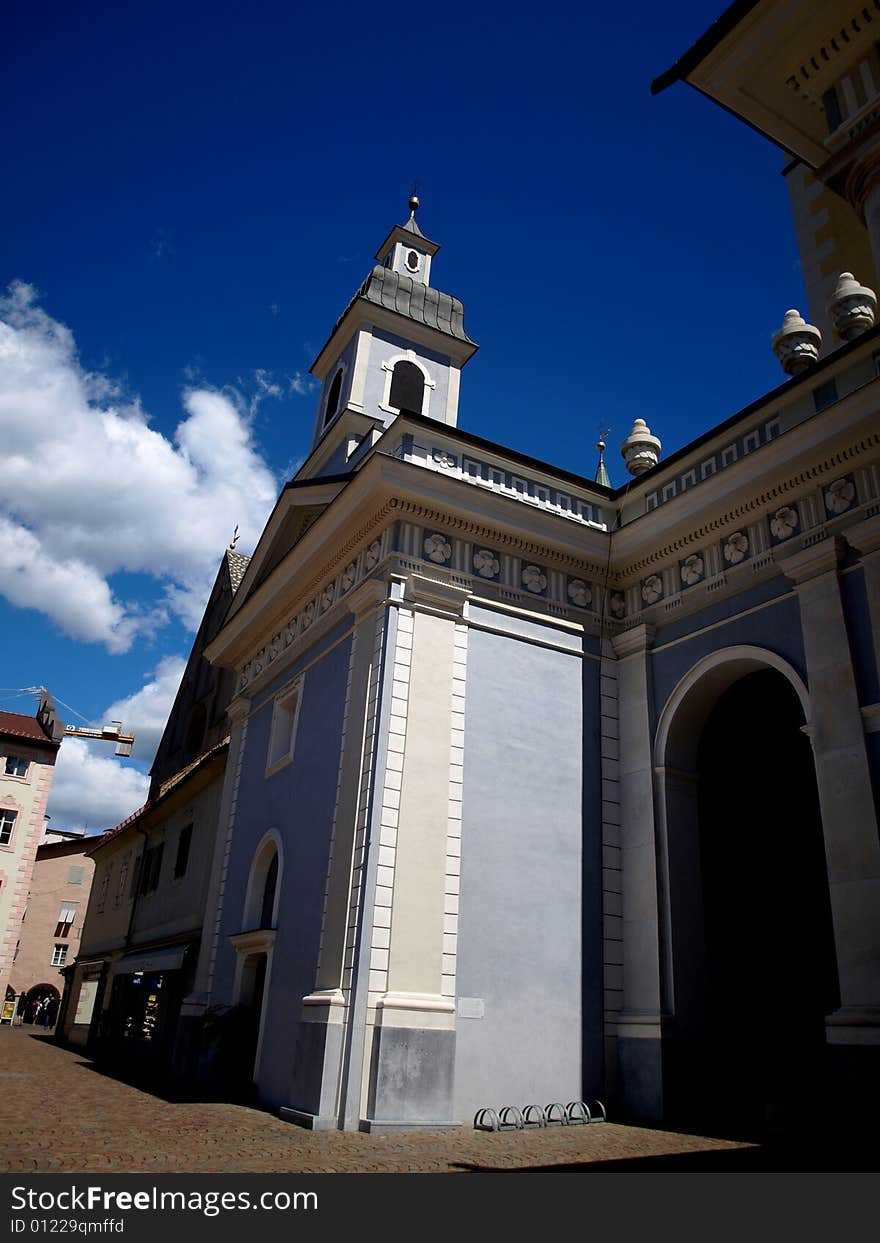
[534,1117]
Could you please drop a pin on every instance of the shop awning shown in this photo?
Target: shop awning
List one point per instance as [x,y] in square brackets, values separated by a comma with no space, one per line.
[168,958]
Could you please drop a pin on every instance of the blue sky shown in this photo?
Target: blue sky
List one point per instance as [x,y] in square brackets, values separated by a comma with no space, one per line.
[195,192]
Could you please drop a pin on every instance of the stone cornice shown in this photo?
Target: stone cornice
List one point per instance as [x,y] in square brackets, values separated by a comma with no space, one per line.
[748,508]
[821,558]
[631,642]
[481,533]
[438,595]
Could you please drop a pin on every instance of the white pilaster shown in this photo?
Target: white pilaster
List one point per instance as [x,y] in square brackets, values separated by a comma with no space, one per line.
[845,793]
[639,1019]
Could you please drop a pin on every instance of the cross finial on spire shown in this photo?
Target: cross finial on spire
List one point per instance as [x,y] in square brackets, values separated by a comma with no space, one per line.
[234,539]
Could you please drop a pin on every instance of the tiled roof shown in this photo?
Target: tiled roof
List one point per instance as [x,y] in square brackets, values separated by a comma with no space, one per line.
[18,726]
[238,563]
[164,789]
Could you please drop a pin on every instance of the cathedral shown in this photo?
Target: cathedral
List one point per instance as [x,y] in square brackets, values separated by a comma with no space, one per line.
[540,790]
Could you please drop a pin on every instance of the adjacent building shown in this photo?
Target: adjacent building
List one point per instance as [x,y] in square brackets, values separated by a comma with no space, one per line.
[137,993]
[50,929]
[28,748]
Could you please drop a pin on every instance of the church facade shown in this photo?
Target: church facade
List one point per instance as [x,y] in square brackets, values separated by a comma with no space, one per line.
[540,790]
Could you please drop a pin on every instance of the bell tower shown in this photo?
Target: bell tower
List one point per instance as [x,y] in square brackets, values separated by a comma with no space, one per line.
[398,347]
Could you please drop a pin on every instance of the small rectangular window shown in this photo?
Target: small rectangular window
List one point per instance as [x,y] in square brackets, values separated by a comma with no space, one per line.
[183,843]
[75,875]
[7,825]
[151,867]
[121,883]
[16,766]
[135,877]
[825,395]
[59,955]
[283,732]
[102,892]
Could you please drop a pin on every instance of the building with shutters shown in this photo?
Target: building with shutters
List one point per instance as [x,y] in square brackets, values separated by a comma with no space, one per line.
[28,747]
[51,925]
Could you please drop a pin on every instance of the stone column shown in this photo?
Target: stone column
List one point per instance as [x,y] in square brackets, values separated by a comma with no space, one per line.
[865,538]
[846,798]
[413,1040]
[638,1025]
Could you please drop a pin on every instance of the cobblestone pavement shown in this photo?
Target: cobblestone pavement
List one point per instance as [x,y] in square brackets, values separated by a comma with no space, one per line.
[63,1115]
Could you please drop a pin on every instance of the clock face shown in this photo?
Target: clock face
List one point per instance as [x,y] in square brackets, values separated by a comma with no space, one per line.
[412,261]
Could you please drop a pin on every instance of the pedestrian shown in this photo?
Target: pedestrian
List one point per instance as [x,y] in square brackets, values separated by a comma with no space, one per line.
[36,1012]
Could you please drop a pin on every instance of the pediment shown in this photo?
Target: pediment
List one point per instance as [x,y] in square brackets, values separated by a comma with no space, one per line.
[298,508]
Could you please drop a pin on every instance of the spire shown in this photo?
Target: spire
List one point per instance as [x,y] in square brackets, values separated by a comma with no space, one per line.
[601,469]
[411,226]
[406,250]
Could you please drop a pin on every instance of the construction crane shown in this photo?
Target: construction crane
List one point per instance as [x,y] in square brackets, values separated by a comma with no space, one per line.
[107,733]
[47,715]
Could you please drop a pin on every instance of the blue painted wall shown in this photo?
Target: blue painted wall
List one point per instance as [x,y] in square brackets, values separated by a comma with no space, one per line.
[519,945]
[298,801]
[386,345]
[777,628]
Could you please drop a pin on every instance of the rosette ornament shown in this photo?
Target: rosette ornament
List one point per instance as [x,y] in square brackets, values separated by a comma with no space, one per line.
[438,549]
[533,578]
[736,548]
[784,522]
[486,563]
[652,589]
[579,592]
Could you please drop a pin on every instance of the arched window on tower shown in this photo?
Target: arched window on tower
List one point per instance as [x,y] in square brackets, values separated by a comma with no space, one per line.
[333,397]
[407,388]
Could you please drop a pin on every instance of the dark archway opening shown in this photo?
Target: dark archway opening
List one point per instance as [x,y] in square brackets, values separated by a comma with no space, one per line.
[754,1021]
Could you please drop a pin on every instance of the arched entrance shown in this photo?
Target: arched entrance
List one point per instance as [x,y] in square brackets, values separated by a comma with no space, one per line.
[40,1005]
[750,965]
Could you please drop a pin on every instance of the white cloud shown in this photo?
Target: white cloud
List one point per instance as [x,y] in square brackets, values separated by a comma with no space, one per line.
[90,489]
[91,787]
[302,384]
[145,712]
[91,791]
